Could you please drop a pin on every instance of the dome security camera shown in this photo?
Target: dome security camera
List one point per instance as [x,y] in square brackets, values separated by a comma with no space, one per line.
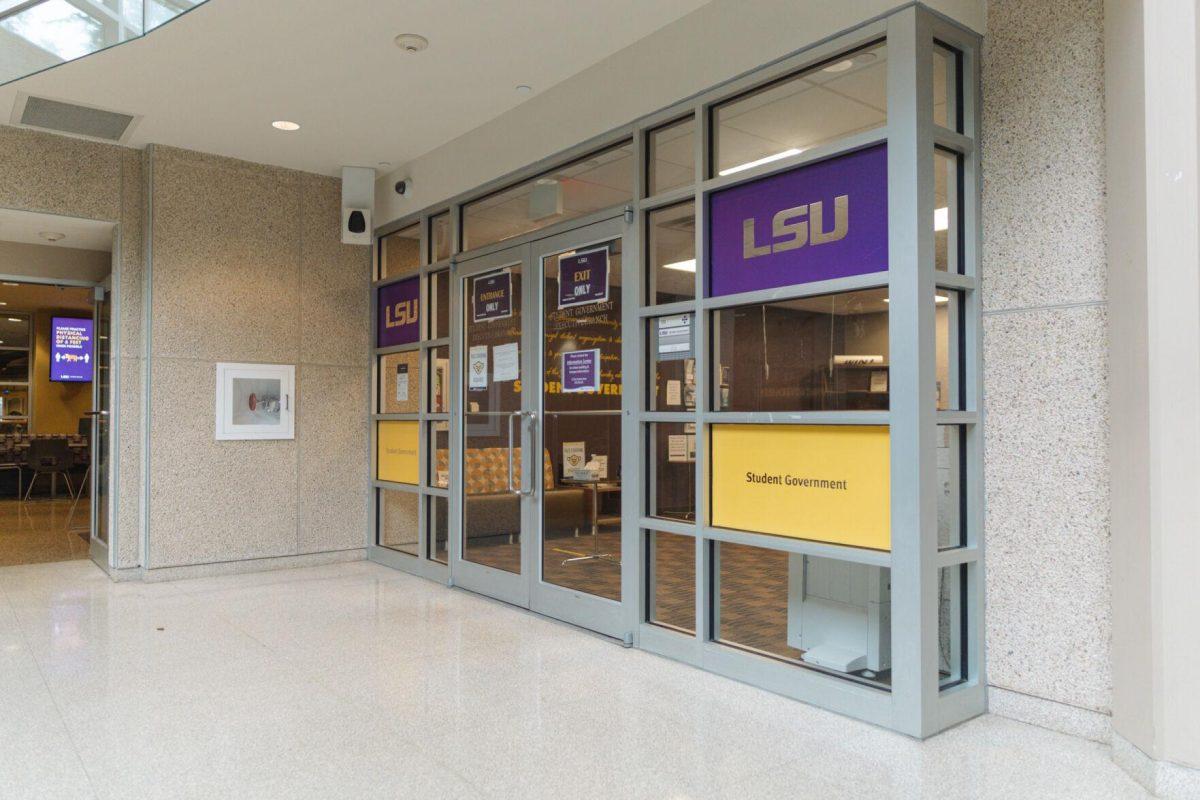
[402,186]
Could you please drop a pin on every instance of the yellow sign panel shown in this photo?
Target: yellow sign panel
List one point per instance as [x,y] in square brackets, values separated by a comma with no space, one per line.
[397,446]
[828,483]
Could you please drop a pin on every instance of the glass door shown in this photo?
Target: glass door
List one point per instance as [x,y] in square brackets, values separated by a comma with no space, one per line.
[582,561]
[492,422]
[98,436]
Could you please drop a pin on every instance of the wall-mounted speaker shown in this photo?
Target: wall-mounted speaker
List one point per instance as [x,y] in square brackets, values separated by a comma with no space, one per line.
[358,202]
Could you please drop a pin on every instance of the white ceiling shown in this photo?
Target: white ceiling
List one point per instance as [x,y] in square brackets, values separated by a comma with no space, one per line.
[214,79]
[27,227]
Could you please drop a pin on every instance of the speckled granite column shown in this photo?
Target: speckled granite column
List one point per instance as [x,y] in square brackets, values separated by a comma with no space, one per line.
[1045,350]
[247,265]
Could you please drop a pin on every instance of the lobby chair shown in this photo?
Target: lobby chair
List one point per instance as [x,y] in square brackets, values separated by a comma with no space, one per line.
[8,460]
[49,457]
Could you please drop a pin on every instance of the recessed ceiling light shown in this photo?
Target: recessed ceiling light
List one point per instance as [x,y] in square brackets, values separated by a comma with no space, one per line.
[10,283]
[524,88]
[385,165]
[840,66]
[15,319]
[411,42]
[285,125]
[52,236]
[3,303]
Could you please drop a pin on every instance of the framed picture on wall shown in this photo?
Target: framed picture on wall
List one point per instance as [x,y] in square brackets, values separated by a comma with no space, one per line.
[256,401]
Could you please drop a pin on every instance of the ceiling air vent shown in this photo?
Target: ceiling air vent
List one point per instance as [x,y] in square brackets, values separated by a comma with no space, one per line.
[72,119]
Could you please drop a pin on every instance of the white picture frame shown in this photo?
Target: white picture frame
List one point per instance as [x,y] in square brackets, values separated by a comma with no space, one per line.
[255,401]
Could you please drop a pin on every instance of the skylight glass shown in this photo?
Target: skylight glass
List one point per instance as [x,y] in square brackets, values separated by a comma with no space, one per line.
[39,34]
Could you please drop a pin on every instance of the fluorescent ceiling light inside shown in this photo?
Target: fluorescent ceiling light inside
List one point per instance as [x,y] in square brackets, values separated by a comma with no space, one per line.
[15,319]
[285,125]
[791,151]
[941,219]
[682,266]
[937,298]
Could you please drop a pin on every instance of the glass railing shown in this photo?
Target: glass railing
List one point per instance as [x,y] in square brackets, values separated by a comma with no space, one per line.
[39,34]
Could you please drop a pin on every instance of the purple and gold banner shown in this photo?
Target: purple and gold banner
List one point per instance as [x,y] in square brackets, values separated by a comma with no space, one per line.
[813,223]
[399,313]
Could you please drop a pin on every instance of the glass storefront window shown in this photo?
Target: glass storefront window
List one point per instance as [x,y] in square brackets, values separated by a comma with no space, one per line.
[671,485]
[947,215]
[671,596]
[670,156]
[672,357]
[948,348]
[598,181]
[399,382]
[951,458]
[439,379]
[437,516]
[398,526]
[952,621]
[439,455]
[440,243]
[821,613]
[400,252]
[810,354]
[671,254]
[439,304]
[947,88]
[844,95]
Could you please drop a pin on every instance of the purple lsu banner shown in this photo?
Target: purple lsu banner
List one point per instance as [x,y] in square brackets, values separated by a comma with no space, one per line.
[399,313]
[813,223]
[583,278]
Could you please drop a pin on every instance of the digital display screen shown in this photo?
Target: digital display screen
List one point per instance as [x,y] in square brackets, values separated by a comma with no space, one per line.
[71,350]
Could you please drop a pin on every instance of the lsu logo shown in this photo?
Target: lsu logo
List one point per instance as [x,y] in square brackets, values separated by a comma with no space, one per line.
[793,228]
[400,314]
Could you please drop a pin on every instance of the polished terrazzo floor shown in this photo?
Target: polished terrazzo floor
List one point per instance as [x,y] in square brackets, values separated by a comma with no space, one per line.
[43,529]
[355,681]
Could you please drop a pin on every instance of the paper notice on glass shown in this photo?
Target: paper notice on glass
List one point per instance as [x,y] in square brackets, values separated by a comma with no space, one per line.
[601,463]
[574,456]
[879,380]
[675,337]
[674,393]
[477,367]
[507,362]
[677,448]
[691,447]
[402,383]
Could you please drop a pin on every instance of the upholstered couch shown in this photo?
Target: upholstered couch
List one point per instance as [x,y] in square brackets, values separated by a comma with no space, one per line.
[491,510]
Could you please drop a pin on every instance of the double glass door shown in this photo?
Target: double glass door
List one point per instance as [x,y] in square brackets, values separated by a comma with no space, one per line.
[536,434]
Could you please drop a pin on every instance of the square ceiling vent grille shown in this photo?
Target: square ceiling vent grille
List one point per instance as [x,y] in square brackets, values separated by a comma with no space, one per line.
[73,119]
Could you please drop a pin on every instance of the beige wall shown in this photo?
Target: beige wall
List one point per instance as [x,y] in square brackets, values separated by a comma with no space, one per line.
[41,261]
[247,265]
[56,175]
[1154,272]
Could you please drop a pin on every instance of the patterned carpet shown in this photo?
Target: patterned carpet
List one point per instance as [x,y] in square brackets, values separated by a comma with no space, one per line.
[753,600]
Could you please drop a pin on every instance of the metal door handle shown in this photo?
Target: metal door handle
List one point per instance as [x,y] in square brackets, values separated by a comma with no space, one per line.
[532,472]
[510,487]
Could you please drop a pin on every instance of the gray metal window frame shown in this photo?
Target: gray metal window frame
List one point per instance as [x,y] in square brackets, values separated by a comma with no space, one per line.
[916,704]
